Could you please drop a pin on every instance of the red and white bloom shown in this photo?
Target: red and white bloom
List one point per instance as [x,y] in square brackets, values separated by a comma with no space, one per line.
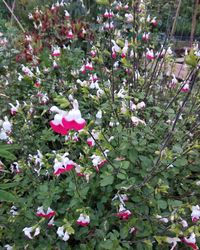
[191,241]
[173,82]
[98,161]
[123,213]
[70,34]
[125,49]
[50,213]
[195,213]
[150,54]
[186,87]
[108,14]
[89,66]
[73,120]
[154,22]
[115,49]
[14,109]
[83,220]
[91,142]
[56,51]
[56,124]
[63,164]
[67,15]
[146,36]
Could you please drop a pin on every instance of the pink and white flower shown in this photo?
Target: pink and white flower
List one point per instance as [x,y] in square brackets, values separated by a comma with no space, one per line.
[73,120]
[83,220]
[14,109]
[90,142]
[154,22]
[63,164]
[173,83]
[125,49]
[70,34]
[67,15]
[195,213]
[115,49]
[98,161]
[50,213]
[191,241]
[129,18]
[186,87]
[56,51]
[123,213]
[146,36]
[150,54]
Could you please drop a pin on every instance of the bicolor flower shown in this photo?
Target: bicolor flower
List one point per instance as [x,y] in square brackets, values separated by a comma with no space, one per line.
[50,213]
[154,22]
[27,71]
[14,109]
[64,235]
[125,49]
[63,164]
[56,51]
[15,168]
[89,66]
[73,119]
[56,124]
[123,213]
[146,36]
[83,220]
[108,14]
[98,161]
[115,49]
[67,15]
[195,213]
[90,142]
[186,87]
[150,54]
[191,241]
[173,82]
[70,34]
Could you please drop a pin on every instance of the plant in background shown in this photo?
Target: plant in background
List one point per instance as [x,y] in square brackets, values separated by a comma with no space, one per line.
[108,135]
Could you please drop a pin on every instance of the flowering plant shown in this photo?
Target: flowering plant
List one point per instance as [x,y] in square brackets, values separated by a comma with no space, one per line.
[107,131]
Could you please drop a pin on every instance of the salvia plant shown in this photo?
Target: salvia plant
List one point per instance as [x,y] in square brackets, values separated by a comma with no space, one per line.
[99,134]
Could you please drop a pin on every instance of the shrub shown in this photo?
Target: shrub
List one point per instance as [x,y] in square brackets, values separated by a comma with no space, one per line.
[108,150]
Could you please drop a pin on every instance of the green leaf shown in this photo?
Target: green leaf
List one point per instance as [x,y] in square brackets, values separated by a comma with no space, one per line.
[107,180]
[162,204]
[191,59]
[8,185]
[6,196]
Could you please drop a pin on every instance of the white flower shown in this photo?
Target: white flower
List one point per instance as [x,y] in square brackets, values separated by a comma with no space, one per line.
[62,234]
[27,231]
[141,105]
[8,247]
[3,135]
[37,231]
[7,126]
[173,241]
[99,114]
[136,121]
